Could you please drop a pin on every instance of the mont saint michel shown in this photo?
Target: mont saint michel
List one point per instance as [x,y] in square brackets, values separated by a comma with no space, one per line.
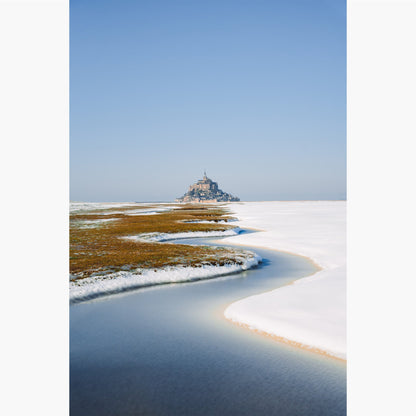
[206,190]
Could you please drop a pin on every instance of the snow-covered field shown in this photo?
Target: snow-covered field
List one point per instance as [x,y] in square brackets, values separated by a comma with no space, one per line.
[312,311]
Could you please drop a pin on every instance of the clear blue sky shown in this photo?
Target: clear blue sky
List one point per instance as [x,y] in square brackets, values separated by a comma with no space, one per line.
[253,91]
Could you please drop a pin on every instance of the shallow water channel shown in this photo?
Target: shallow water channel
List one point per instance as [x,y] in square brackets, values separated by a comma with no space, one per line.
[168,350]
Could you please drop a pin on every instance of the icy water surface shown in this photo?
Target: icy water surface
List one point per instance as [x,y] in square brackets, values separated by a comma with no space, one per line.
[168,350]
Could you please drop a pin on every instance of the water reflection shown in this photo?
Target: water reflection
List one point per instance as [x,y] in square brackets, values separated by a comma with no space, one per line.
[167,350]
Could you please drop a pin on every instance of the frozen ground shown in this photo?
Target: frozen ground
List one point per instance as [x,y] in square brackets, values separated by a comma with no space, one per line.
[312,311]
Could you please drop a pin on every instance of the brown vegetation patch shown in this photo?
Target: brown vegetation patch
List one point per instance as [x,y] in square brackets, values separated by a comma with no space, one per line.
[100,249]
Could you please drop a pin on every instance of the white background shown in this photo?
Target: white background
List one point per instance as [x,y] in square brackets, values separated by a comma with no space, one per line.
[34,163]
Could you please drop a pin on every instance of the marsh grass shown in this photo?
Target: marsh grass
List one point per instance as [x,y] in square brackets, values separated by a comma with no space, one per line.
[100,249]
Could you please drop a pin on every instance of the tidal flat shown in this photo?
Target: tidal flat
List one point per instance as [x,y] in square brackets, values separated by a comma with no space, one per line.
[168,350]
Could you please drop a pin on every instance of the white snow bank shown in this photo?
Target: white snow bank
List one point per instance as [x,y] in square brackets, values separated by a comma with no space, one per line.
[142,211]
[92,287]
[209,221]
[313,310]
[159,237]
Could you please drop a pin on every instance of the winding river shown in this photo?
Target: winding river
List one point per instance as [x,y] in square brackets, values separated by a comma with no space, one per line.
[168,350]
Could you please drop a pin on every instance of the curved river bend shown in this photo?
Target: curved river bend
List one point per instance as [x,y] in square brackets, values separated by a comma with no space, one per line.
[168,350]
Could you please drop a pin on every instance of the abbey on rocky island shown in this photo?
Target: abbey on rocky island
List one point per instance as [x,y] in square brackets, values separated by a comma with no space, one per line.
[206,190]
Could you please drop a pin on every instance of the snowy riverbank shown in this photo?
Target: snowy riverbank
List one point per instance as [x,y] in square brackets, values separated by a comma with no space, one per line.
[160,237]
[312,311]
[97,286]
